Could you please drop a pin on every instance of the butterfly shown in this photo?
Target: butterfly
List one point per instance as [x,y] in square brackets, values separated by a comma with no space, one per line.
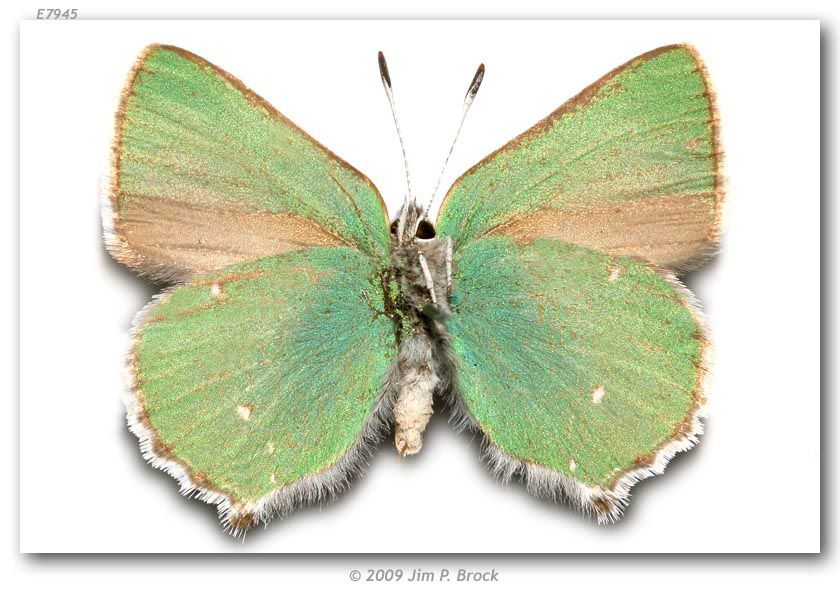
[302,324]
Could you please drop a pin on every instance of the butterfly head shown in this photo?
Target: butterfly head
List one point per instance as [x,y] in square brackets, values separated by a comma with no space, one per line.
[411,225]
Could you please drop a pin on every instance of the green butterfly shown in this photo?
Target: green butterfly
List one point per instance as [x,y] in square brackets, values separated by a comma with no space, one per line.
[302,325]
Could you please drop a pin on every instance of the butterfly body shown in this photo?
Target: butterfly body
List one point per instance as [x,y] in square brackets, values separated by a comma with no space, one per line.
[422,266]
[298,328]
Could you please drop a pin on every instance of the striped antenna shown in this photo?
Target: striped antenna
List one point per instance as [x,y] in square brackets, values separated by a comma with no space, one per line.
[389,91]
[468,100]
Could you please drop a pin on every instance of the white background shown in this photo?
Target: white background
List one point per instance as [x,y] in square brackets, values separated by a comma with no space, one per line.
[752,485]
[599,576]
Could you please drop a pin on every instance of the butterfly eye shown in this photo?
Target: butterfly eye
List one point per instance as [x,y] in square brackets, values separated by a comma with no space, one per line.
[425,230]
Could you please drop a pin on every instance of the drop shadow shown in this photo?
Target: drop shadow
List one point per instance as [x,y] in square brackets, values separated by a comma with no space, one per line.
[126,277]
[827,292]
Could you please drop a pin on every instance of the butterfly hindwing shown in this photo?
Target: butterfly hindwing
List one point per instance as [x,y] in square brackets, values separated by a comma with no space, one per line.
[260,385]
[630,166]
[205,174]
[583,370]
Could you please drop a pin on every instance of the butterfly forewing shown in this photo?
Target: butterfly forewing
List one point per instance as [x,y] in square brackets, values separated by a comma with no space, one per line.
[629,166]
[205,174]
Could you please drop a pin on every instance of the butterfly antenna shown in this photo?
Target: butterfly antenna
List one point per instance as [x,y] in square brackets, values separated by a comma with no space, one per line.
[468,100]
[389,91]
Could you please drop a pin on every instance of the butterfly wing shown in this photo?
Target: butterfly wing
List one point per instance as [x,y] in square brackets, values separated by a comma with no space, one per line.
[260,386]
[629,166]
[584,371]
[205,174]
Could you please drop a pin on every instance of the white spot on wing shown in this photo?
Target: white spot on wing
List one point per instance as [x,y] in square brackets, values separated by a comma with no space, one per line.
[615,271]
[244,412]
[215,289]
[598,394]
[572,465]
[269,448]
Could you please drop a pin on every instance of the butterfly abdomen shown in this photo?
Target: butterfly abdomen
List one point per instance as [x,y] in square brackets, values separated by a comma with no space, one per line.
[423,271]
[418,380]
